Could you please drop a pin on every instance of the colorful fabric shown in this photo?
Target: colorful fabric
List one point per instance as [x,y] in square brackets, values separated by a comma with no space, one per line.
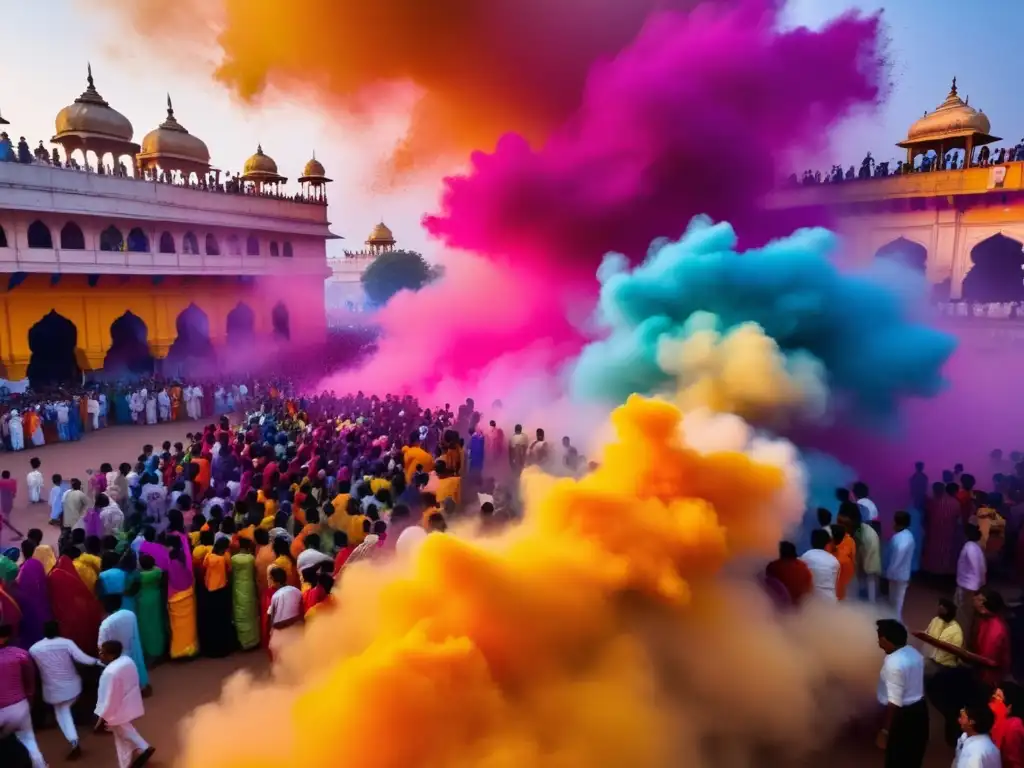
[34,601]
[151,613]
[74,607]
[181,612]
[244,600]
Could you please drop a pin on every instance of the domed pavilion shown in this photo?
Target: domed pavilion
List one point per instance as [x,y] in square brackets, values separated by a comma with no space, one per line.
[170,147]
[90,124]
[954,124]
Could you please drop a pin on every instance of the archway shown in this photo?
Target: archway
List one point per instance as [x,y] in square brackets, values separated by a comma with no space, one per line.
[273,248]
[52,342]
[234,245]
[241,324]
[252,246]
[212,246]
[129,346]
[193,341]
[189,244]
[138,241]
[905,252]
[3,238]
[280,321]
[39,235]
[288,253]
[111,239]
[71,237]
[167,243]
[998,271]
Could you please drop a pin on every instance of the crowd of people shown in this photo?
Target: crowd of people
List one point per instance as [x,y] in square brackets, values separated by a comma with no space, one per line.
[232,540]
[31,419]
[962,539]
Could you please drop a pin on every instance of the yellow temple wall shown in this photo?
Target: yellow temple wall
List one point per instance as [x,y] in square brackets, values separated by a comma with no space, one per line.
[948,235]
[92,310]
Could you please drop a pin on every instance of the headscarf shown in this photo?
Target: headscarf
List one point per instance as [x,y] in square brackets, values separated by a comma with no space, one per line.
[9,565]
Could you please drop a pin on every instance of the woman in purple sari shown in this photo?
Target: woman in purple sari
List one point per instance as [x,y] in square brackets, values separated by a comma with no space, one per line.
[151,547]
[33,595]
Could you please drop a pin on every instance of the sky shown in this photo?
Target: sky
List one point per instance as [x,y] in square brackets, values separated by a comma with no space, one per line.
[47,44]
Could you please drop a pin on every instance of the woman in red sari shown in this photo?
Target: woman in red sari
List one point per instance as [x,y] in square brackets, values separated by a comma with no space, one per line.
[75,607]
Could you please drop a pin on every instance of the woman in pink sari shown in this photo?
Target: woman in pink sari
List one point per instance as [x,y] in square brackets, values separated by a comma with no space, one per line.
[33,595]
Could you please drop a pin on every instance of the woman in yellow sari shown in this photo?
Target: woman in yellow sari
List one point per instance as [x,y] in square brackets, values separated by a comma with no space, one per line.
[283,559]
[181,602]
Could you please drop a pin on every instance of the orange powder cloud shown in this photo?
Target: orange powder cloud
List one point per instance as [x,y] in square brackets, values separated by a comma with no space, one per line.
[600,633]
[483,67]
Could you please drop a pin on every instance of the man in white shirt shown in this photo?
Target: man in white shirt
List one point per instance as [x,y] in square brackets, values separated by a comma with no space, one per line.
[56,656]
[869,549]
[284,613]
[904,733]
[975,749]
[860,493]
[119,702]
[823,566]
[73,504]
[971,575]
[901,559]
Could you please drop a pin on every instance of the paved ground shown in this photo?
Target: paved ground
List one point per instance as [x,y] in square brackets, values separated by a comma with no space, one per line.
[180,688]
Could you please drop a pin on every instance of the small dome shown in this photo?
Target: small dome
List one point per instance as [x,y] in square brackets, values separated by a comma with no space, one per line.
[381,235]
[260,164]
[953,116]
[314,168]
[90,114]
[173,142]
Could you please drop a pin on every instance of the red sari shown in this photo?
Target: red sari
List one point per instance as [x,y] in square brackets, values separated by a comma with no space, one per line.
[992,640]
[74,606]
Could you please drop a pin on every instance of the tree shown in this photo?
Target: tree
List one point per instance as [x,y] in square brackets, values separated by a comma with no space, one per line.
[395,271]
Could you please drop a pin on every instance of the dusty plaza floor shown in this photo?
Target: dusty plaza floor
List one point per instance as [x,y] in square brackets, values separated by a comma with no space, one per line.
[180,688]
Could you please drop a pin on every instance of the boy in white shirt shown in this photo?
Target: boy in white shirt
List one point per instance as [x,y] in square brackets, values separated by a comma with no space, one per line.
[975,749]
[119,702]
[824,567]
[34,481]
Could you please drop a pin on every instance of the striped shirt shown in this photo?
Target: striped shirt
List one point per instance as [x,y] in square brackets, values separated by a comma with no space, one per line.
[17,676]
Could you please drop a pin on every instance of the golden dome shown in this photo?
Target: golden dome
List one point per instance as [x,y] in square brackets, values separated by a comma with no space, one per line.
[91,116]
[172,142]
[380,235]
[314,173]
[314,168]
[952,118]
[260,164]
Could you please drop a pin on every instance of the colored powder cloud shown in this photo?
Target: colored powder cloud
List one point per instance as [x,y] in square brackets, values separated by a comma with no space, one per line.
[477,661]
[702,113]
[480,67]
[853,332]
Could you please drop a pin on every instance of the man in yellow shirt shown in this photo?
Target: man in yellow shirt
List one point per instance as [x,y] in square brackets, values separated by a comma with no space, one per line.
[946,628]
[413,455]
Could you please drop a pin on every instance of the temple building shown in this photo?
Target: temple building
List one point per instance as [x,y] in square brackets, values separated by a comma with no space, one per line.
[344,286]
[954,208]
[106,242]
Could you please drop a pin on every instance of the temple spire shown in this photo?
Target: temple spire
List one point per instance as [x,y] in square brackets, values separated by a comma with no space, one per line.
[88,79]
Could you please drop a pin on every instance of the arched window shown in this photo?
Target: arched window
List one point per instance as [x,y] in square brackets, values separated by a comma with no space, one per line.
[288,249]
[252,246]
[71,237]
[190,244]
[111,239]
[138,241]
[39,235]
[273,248]
[234,246]
[167,243]
[212,246]
[3,238]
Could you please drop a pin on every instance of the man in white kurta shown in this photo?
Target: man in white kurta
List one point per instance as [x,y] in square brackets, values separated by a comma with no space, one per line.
[119,702]
[17,432]
[151,409]
[163,401]
[92,406]
[136,403]
[187,396]
[56,657]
